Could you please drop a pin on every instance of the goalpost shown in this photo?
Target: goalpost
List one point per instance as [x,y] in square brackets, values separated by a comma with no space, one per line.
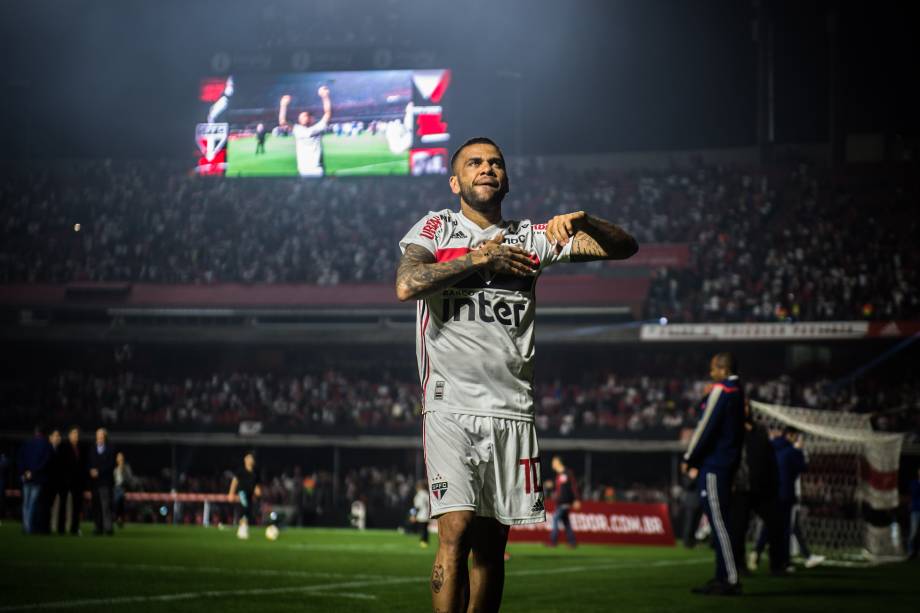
[849,491]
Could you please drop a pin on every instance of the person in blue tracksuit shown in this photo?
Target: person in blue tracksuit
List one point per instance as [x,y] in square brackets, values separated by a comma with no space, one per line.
[713,455]
[791,462]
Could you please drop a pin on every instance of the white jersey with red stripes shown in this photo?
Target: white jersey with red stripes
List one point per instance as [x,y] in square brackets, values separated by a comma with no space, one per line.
[475,340]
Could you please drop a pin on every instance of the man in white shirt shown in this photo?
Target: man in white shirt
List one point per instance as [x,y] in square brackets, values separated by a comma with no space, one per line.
[308,137]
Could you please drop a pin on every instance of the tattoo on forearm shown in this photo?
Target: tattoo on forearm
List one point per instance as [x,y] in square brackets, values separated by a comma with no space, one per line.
[602,240]
[419,273]
[437,578]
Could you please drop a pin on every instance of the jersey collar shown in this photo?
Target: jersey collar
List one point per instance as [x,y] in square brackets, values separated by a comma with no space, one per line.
[474,226]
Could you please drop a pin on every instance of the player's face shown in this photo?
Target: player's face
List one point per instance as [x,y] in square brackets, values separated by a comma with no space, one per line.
[717,370]
[480,177]
[304,119]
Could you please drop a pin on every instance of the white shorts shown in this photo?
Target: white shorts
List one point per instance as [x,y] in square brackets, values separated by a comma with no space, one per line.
[488,465]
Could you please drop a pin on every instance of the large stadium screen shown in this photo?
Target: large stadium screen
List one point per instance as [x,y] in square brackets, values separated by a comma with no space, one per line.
[381,122]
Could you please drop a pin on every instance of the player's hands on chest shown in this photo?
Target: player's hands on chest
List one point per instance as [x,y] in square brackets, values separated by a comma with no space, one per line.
[562,227]
[500,258]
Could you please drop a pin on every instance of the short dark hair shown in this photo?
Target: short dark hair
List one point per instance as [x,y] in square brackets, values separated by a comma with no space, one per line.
[728,361]
[476,140]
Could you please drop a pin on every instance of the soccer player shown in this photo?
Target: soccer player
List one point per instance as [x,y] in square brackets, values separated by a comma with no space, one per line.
[246,484]
[308,137]
[473,274]
[565,495]
[715,451]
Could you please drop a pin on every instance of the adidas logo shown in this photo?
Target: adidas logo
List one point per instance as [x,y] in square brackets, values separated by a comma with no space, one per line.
[459,234]
[538,506]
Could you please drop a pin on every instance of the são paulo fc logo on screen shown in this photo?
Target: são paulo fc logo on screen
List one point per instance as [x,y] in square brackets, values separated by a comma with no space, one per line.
[212,143]
[211,138]
[439,488]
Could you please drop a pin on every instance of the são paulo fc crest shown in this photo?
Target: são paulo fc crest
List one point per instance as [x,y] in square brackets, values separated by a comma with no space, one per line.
[211,139]
[439,488]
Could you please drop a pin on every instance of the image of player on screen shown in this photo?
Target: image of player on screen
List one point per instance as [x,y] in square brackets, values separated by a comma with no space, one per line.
[307,136]
[220,105]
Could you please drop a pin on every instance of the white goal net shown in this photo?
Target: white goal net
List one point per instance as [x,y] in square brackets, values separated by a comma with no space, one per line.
[850,489]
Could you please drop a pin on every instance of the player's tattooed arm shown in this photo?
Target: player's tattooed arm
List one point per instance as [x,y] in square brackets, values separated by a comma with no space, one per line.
[419,274]
[592,238]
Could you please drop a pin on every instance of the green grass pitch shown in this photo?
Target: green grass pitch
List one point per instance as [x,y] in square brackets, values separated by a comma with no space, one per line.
[157,568]
[342,155]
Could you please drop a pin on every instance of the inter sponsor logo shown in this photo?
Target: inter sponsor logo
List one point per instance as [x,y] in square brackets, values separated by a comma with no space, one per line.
[481,309]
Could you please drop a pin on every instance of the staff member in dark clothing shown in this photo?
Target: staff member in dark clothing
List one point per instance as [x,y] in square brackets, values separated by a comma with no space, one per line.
[914,534]
[260,138]
[755,491]
[102,479]
[32,461]
[55,480]
[715,449]
[4,468]
[246,484]
[565,495]
[73,467]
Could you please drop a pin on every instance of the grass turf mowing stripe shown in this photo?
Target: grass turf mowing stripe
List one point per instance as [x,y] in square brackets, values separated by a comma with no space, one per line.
[316,590]
[168,568]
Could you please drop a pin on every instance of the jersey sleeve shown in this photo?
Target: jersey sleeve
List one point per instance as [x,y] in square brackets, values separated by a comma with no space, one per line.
[426,232]
[318,127]
[705,434]
[546,252]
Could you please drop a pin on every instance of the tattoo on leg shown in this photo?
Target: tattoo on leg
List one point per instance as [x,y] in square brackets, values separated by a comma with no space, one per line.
[437,578]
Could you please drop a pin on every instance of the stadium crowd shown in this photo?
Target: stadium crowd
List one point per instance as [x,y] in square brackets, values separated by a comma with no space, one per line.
[602,403]
[765,244]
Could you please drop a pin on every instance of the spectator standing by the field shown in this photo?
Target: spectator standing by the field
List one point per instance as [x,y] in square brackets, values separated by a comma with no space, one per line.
[914,536]
[33,459]
[102,479]
[73,461]
[566,497]
[421,512]
[124,480]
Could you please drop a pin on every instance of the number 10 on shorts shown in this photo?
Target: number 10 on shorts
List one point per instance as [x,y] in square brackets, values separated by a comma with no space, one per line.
[531,475]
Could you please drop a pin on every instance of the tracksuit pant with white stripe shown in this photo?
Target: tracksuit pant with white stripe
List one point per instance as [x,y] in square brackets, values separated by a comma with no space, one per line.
[715,495]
